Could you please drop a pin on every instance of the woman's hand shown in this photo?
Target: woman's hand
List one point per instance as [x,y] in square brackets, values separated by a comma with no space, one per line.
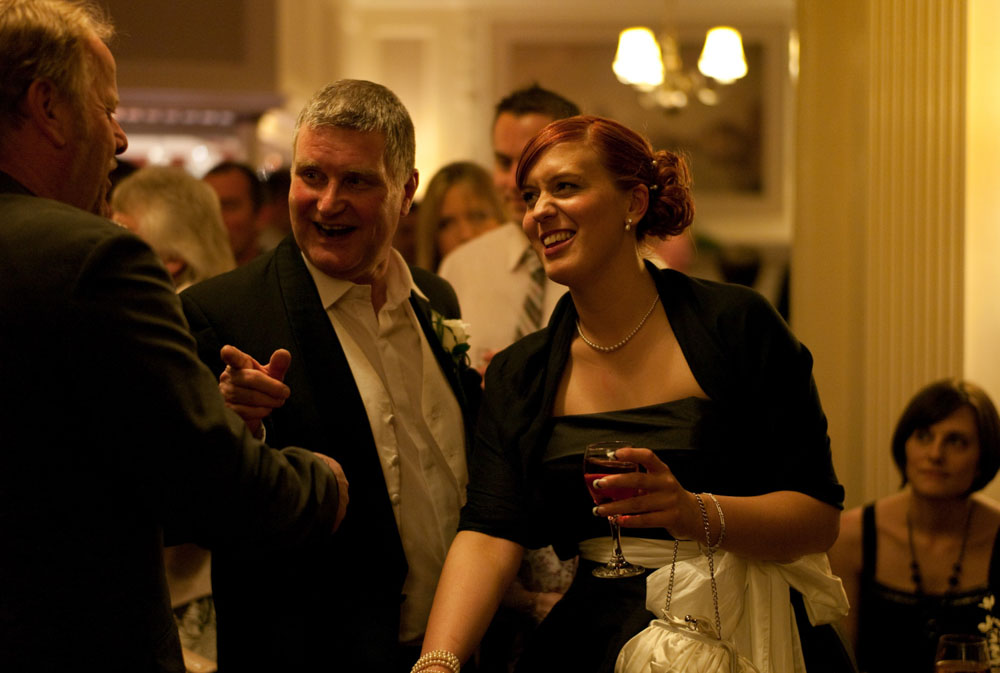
[662,501]
[776,526]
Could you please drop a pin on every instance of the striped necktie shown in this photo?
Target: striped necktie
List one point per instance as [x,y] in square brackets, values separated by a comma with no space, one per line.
[530,319]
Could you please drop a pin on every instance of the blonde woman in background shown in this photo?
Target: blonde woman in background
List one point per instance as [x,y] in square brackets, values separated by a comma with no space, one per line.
[460,204]
[180,217]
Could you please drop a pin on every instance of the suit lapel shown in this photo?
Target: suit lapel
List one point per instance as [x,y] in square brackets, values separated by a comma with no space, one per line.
[323,376]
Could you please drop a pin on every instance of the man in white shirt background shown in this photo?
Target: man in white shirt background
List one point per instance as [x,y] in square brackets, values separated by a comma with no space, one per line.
[495,273]
[354,365]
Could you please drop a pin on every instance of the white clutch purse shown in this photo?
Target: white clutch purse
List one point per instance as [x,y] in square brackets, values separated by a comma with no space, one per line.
[689,645]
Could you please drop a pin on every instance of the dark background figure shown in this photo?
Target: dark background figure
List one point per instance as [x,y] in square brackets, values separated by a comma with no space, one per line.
[241,196]
[275,222]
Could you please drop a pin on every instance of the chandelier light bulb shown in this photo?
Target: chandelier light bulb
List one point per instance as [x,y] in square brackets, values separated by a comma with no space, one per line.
[722,56]
[638,60]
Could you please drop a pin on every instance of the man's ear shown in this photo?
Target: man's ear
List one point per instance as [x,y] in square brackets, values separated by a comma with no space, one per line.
[409,191]
[48,111]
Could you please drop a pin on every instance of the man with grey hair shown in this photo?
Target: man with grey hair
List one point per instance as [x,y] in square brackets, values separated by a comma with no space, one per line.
[368,381]
[114,433]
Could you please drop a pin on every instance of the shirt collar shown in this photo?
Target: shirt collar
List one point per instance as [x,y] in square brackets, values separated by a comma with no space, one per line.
[399,283]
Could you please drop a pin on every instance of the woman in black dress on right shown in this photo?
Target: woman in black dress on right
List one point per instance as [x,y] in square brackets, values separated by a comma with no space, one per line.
[705,376]
[926,561]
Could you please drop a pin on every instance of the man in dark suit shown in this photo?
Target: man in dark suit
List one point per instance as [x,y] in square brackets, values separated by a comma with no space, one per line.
[368,382]
[113,430]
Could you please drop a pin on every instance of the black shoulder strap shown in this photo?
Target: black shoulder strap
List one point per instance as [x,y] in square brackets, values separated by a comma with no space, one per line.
[868,543]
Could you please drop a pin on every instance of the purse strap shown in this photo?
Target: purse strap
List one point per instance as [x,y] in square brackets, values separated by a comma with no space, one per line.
[710,553]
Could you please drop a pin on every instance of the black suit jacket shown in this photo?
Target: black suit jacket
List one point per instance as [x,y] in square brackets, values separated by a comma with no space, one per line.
[339,606]
[112,429]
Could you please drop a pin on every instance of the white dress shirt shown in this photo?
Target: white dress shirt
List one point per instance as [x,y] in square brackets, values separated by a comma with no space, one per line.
[415,420]
[491,284]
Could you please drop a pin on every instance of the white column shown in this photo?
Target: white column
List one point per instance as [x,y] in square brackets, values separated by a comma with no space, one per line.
[982,205]
[878,272]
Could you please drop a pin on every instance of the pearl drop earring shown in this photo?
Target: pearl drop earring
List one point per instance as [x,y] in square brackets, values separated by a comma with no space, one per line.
[628,224]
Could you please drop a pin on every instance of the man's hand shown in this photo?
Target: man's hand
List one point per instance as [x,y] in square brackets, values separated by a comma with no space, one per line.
[251,389]
[341,482]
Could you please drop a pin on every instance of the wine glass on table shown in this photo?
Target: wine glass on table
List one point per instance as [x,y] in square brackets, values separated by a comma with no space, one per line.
[959,653]
[599,461]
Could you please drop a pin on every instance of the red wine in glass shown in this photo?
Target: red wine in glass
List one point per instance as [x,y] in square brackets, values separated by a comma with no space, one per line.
[596,468]
[599,461]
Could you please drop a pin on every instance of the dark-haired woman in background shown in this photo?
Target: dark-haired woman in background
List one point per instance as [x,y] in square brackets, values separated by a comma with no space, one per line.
[706,375]
[924,561]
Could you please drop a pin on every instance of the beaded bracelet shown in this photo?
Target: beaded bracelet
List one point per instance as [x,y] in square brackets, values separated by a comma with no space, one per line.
[722,520]
[442,658]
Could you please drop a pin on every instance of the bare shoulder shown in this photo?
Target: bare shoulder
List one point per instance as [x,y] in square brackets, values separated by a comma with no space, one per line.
[989,505]
[989,519]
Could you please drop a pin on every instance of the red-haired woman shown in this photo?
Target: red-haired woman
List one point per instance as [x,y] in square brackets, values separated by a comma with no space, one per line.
[705,376]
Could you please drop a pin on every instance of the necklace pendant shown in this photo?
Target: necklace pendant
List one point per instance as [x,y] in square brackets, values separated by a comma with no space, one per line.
[956,568]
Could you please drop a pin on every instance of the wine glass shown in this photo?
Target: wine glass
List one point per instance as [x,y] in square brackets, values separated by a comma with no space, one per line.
[599,461]
[959,653]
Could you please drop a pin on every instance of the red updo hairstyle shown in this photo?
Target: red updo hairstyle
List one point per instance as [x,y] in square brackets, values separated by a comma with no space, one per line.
[631,161]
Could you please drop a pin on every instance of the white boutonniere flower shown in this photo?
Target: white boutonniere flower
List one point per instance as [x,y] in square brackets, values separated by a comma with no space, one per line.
[453,335]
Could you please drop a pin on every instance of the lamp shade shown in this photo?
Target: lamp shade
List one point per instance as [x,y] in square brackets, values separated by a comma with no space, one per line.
[722,56]
[638,60]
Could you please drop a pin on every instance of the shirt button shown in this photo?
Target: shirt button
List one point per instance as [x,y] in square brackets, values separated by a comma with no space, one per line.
[395,498]
[394,461]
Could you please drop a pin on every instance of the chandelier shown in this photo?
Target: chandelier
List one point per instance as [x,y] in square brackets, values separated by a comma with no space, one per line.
[654,67]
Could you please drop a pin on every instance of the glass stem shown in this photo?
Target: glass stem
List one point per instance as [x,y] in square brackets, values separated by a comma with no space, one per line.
[618,559]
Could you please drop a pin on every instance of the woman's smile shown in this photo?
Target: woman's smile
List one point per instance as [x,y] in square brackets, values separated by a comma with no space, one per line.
[554,238]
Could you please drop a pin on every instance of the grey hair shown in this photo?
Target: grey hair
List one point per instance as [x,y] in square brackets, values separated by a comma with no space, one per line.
[365,106]
[46,39]
[179,216]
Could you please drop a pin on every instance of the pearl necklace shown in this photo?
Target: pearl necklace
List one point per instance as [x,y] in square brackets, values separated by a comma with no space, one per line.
[628,337]
[956,568]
